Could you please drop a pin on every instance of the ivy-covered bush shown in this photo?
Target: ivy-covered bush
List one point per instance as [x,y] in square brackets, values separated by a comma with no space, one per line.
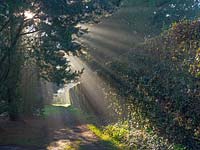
[161,84]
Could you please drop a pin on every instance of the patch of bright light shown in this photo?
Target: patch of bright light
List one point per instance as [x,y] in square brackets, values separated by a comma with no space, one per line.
[28,15]
[61,105]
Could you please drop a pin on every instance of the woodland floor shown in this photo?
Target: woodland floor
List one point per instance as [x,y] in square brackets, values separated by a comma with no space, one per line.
[62,128]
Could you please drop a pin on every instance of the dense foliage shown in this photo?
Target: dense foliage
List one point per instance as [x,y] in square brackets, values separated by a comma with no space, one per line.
[160,80]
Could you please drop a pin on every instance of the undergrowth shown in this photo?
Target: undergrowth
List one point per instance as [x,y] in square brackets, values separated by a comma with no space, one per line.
[133,139]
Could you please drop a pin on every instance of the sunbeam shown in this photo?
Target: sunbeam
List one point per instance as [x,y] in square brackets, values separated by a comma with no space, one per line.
[99,74]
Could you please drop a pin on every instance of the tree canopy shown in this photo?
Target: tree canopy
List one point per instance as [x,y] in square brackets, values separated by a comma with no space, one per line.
[39,33]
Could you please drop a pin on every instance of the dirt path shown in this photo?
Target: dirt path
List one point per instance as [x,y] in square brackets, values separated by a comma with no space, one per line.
[69,129]
[63,129]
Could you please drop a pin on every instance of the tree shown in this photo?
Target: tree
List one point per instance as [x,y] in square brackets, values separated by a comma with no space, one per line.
[150,17]
[35,31]
[168,11]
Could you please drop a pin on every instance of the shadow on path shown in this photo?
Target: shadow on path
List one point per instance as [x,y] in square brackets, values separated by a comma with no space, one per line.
[64,128]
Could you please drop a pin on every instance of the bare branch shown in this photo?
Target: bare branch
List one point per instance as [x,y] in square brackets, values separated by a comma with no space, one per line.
[26,33]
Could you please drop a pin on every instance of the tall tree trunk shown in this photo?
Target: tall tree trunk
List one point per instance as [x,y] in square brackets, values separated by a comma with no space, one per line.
[12,105]
[12,85]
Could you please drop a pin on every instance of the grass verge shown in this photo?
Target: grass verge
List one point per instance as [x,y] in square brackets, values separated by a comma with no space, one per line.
[106,137]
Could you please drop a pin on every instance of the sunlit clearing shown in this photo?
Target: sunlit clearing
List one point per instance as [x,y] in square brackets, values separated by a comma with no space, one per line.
[28,15]
[61,97]
[61,105]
